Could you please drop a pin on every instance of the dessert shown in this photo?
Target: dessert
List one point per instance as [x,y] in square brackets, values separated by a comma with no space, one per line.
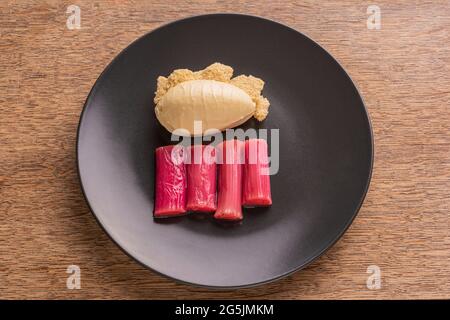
[210,96]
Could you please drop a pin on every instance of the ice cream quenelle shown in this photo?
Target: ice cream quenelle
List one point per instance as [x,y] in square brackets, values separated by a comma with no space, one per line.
[201,178]
[171,182]
[230,156]
[211,97]
[256,179]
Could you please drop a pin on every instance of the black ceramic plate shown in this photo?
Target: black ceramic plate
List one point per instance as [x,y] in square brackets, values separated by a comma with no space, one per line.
[326,152]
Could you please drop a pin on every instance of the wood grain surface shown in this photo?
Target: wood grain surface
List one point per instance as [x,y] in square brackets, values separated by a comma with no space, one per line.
[402,71]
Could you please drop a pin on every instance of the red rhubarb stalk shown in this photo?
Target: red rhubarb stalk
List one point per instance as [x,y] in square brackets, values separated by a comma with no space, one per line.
[229,200]
[256,180]
[170,189]
[201,179]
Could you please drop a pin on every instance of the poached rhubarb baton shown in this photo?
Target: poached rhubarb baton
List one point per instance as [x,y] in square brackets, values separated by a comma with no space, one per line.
[230,156]
[201,179]
[256,180]
[171,182]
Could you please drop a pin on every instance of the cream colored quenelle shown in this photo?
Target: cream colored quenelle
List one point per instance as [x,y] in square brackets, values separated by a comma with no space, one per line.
[218,105]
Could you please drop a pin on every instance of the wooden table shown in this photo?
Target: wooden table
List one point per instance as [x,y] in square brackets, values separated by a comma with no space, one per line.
[47,70]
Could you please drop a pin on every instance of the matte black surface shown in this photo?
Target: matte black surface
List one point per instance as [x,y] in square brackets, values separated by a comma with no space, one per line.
[326,152]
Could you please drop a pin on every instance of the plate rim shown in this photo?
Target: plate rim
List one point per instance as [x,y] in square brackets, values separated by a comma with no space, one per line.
[253,284]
